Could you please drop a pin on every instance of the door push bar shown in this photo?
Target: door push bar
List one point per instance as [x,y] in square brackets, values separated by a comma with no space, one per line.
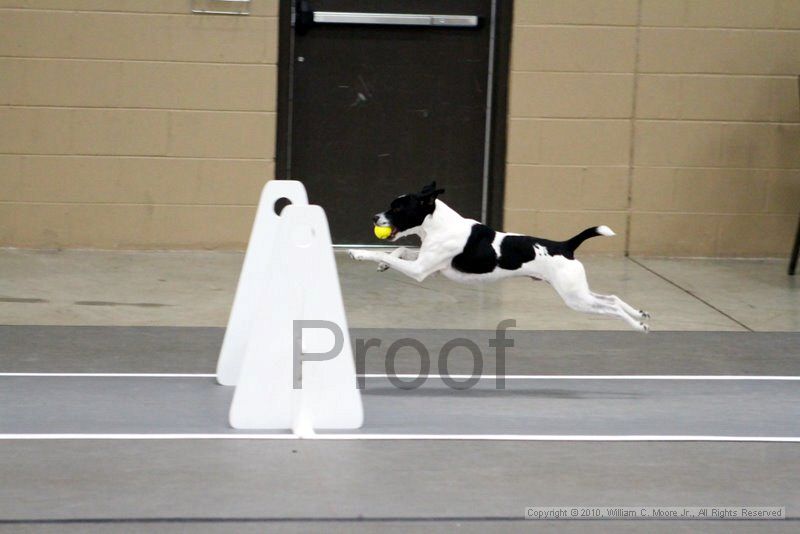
[305,18]
[395,19]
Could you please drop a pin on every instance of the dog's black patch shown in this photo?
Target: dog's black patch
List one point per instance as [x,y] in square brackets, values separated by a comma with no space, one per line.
[409,211]
[557,248]
[516,250]
[565,248]
[478,256]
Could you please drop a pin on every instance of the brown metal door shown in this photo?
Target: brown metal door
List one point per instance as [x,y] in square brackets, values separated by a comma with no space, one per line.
[382,100]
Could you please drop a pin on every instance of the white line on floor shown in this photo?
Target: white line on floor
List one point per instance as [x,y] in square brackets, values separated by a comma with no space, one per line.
[110,375]
[438,376]
[403,437]
[599,377]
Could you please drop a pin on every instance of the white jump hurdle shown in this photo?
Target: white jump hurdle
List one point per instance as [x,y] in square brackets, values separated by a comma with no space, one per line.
[286,377]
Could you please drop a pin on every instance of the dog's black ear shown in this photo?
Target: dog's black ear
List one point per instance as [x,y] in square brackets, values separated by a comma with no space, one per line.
[429,193]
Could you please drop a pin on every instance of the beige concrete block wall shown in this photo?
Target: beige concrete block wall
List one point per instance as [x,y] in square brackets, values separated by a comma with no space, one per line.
[675,122]
[134,123]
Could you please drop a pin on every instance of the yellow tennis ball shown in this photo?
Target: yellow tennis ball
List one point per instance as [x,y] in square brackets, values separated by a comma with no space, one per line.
[382,232]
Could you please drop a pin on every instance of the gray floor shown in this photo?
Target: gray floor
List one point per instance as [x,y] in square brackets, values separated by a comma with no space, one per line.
[126,349]
[530,406]
[366,485]
[560,407]
[443,481]
[400,486]
[195,288]
[213,526]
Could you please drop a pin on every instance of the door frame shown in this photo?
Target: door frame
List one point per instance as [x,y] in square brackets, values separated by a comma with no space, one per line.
[495,170]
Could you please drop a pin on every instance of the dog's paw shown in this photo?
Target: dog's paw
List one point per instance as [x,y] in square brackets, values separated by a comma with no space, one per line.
[644,314]
[644,328]
[383,267]
[356,254]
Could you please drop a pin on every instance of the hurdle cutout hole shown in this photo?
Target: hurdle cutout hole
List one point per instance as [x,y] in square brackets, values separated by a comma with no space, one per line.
[280,204]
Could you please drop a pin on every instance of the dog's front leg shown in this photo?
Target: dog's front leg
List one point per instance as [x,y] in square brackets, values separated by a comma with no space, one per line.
[418,269]
[401,252]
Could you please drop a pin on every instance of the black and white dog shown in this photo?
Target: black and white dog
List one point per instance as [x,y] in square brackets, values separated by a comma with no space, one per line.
[465,250]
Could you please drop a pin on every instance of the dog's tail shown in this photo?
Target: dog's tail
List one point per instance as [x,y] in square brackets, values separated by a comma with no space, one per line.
[574,242]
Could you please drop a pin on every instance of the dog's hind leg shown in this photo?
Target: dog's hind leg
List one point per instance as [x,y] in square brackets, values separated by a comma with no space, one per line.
[570,283]
[615,300]
[588,303]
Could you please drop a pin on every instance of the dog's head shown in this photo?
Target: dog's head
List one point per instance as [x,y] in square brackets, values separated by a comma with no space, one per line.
[406,213]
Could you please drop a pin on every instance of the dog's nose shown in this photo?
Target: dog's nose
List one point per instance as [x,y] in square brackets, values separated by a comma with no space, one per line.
[376,217]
